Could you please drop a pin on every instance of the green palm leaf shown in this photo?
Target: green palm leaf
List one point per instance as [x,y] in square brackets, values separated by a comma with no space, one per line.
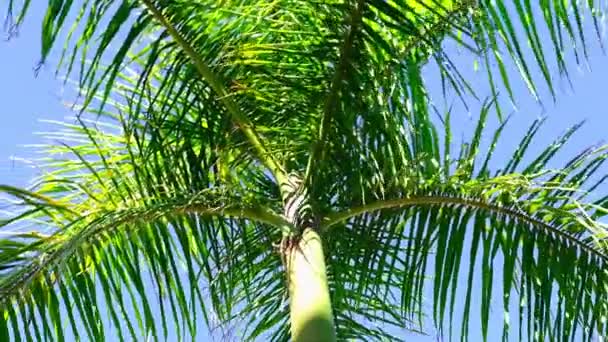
[220,138]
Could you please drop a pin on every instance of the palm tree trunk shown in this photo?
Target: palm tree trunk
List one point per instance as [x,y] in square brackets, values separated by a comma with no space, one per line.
[310,305]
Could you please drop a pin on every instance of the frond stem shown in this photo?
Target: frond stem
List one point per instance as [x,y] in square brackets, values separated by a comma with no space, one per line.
[337,217]
[244,124]
[331,100]
[111,221]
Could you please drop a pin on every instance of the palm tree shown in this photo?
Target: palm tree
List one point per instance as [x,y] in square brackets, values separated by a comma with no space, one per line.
[274,165]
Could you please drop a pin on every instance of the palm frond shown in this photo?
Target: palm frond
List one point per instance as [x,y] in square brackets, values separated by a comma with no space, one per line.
[122,202]
[538,225]
[206,106]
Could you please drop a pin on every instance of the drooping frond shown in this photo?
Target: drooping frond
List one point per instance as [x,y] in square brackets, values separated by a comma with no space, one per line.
[42,280]
[204,108]
[538,226]
[119,203]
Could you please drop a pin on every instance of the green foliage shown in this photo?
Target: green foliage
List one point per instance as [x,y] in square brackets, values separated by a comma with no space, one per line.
[168,187]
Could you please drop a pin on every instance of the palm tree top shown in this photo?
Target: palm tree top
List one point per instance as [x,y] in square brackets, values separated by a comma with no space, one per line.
[212,133]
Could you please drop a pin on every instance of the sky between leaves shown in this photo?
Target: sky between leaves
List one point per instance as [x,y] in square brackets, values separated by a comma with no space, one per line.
[26,98]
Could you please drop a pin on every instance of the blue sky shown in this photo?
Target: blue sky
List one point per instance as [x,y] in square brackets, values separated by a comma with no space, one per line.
[26,98]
